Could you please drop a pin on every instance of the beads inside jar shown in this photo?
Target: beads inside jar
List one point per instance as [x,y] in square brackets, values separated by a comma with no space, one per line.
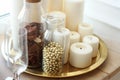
[52,58]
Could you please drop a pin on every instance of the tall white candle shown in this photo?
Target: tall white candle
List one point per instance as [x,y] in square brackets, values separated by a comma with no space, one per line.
[80,55]
[74,10]
[94,42]
[53,5]
[74,37]
[62,36]
[85,29]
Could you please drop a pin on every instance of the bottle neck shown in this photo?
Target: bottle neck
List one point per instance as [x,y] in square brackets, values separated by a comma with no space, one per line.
[30,4]
[32,1]
[31,12]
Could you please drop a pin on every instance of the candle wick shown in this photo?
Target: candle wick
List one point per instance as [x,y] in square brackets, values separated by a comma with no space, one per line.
[80,48]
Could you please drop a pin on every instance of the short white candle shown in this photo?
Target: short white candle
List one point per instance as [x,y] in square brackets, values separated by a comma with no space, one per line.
[94,42]
[62,36]
[85,29]
[80,55]
[74,37]
[74,11]
[53,5]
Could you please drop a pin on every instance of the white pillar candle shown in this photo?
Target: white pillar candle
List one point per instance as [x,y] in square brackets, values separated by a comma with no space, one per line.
[85,29]
[53,5]
[74,37]
[94,42]
[62,36]
[80,55]
[74,11]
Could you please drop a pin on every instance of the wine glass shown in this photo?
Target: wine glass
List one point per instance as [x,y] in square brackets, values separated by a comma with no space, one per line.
[16,50]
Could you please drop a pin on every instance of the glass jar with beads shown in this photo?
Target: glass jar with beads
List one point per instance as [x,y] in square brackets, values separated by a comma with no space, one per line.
[53,51]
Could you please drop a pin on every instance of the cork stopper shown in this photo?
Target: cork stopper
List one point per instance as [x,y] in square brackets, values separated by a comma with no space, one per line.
[33,1]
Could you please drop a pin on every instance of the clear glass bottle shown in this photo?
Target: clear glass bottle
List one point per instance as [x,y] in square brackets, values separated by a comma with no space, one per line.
[30,18]
[53,52]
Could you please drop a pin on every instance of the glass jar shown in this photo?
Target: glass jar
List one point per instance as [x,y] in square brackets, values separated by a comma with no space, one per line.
[53,20]
[53,52]
[30,18]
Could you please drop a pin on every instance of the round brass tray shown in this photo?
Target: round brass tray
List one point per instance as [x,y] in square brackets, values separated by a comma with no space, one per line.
[69,71]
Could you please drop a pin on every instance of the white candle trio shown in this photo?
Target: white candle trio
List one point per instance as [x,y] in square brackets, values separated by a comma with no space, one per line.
[80,54]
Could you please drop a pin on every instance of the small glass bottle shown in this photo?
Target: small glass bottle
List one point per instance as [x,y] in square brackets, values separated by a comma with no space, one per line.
[30,18]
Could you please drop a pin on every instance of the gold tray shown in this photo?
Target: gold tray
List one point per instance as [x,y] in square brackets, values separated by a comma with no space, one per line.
[69,71]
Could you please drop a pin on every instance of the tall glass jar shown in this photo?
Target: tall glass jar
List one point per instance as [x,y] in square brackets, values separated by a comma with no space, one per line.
[30,18]
[53,52]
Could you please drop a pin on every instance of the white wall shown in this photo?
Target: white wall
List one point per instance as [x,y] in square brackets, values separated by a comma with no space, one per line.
[107,11]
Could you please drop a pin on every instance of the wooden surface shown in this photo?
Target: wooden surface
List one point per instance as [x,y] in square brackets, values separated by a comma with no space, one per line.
[106,71]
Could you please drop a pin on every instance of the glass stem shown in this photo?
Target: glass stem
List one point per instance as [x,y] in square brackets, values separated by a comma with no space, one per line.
[16,76]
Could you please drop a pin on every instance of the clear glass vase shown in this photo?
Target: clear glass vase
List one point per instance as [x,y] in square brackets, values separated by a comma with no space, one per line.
[30,18]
